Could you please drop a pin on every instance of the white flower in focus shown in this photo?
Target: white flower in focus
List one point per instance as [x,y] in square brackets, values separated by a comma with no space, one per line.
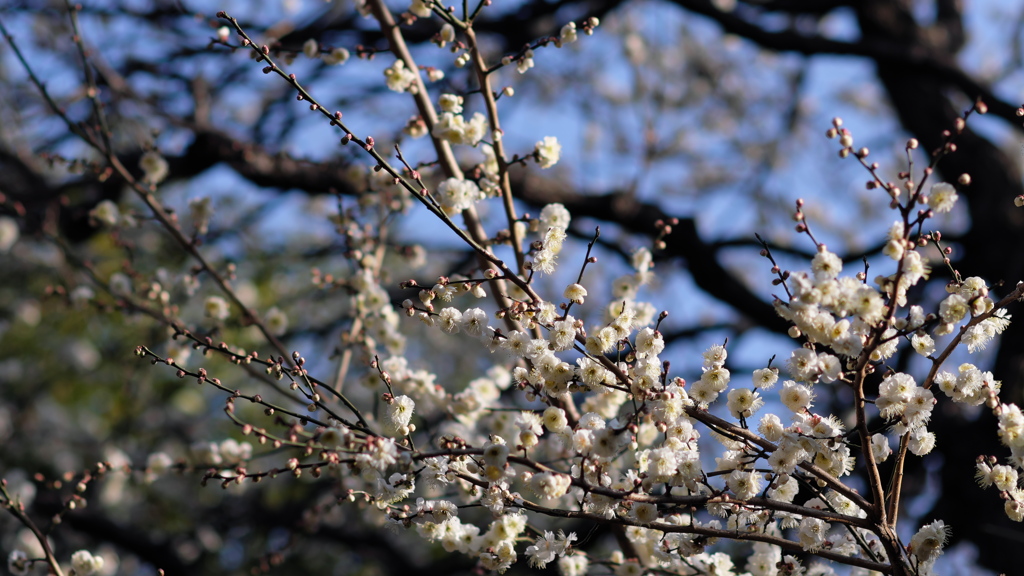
[744,484]
[923,344]
[1004,477]
[495,453]
[154,167]
[953,309]
[786,491]
[474,322]
[716,378]
[942,197]
[928,542]
[1014,506]
[554,419]
[796,397]
[399,78]
[644,512]
[575,293]
[921,441]
[563,334]
[84,563]
[765,378]
[106,212]
[978,336]
[336,57]
[216,307]
[826,265]
[456,195]
[554,238]
[450,320]
[397,415]
[771,427]
[880,447]
[744,402]
[310,48]
[555,216]
[715,356]
[548,151]
[812,533]
[803,365]
[544,262]
[649,343]
[602,341]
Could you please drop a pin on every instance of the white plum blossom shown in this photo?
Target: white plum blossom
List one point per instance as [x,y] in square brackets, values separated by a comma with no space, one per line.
[456,195]
[923,344]
[84,563]
[336,57]
[927,544]
[420,8]
[397,415]
[9,233]
[744,402]
[826,265]
[451,103]
[450,319]
[942,197]
[575,293]
[106,212]
[154,167]
[399,78]
[276,321]
[548,547]
[310,48]
[18,562]
[812,533]
[548,151]
[217,308]
[765,378]
[880,447]
[447,34]
[455,129]
[567,34]
[555,216]
[525,62]
[575,565]
[796,397]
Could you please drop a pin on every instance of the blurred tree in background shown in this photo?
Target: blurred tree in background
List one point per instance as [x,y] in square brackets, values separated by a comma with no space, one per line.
[706,114]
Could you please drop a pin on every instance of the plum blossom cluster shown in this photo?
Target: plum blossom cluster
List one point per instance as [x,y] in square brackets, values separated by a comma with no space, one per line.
[578,413]
[584,418]
[628,432]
